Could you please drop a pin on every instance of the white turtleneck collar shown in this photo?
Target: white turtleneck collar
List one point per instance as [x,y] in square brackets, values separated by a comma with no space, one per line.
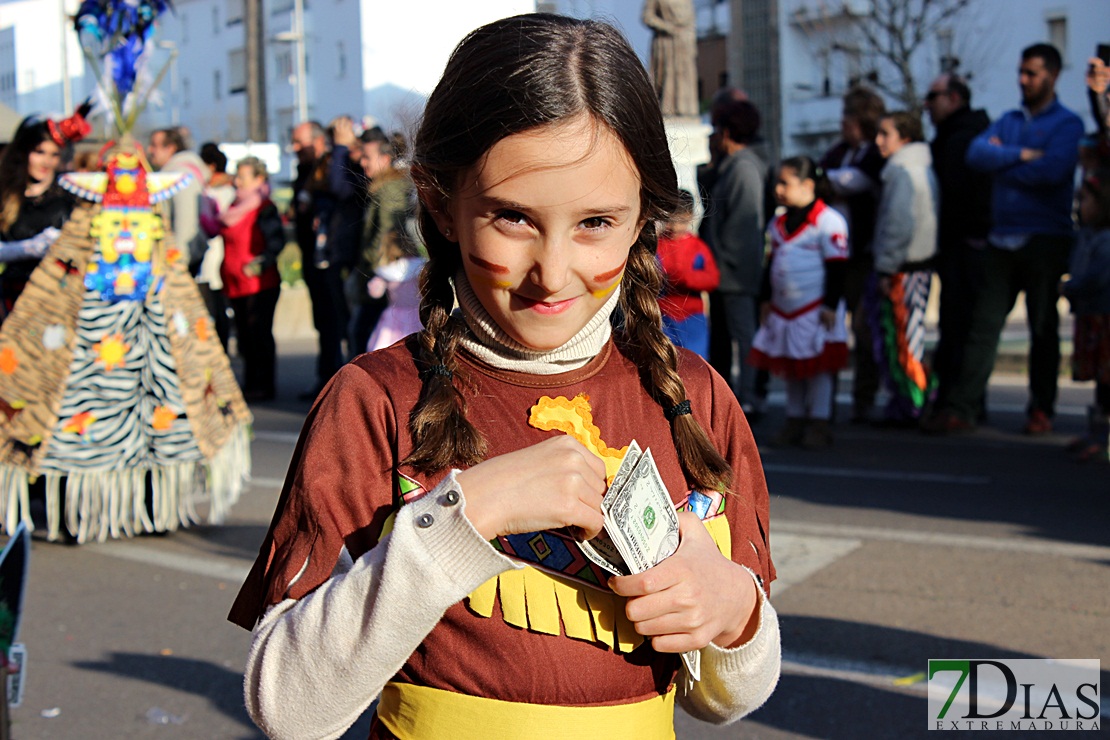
[489,343]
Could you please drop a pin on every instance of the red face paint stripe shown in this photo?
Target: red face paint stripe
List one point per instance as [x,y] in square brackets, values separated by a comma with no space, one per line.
[607,276]
[495,269]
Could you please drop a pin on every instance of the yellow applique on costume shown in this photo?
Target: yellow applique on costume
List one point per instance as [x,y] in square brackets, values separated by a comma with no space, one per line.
[574,417]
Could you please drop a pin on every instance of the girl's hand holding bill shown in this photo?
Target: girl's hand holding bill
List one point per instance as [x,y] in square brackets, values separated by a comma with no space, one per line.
[693,598]
[505,496]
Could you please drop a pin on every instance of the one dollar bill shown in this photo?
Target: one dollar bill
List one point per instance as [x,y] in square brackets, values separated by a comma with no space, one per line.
[641,526]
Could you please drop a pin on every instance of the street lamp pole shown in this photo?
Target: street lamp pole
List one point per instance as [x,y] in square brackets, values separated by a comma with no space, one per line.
[302,71]
[67,85]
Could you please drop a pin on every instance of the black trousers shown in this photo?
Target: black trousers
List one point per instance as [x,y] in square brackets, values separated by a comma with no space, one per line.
[960,269]
[329,316]
[1035,269]
[254,329]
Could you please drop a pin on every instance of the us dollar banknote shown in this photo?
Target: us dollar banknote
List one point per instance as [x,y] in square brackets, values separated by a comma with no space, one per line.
[641,519]
[644,527]
[601,550]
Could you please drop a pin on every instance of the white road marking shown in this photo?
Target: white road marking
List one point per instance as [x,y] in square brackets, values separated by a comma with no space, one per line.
[798,557]
[211,566]
[866,473]
[942,539]
[778,399]
[913,680]
[272,436]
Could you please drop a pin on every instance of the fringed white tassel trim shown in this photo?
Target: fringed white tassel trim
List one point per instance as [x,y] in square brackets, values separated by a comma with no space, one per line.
[114,503]
[226,473]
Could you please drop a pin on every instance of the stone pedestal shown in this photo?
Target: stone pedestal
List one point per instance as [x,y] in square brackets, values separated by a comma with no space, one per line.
[689,143]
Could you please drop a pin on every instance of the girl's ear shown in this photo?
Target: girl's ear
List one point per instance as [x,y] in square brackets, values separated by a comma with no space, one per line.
[436,204]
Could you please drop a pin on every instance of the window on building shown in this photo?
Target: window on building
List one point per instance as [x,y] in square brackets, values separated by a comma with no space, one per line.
[215,20]
[234,12]
[237,71]
[341,62]
[283,64]
[184,28]
[217,85]
[186,93]
[1058,33]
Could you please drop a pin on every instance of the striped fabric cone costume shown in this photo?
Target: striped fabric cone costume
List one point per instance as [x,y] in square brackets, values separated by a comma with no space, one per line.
[114,386]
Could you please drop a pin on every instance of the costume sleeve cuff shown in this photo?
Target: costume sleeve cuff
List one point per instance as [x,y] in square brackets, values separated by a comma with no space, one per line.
[440,523]
[736,681]
[761,643]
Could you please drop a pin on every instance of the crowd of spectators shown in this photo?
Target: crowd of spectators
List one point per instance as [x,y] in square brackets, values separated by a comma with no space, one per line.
[986,209]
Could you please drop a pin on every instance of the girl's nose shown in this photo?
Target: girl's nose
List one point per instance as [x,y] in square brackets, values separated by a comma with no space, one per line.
[551,270]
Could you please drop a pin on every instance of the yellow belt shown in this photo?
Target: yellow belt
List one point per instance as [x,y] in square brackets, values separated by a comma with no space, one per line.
[423,713]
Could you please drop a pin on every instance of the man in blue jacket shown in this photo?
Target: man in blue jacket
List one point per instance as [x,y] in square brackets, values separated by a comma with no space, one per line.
[1030,154]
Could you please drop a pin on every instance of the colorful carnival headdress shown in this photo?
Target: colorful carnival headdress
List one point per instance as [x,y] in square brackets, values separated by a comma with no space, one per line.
[116,37]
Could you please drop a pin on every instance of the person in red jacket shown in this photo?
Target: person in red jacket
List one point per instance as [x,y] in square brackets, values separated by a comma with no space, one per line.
[690,269]
[253,238]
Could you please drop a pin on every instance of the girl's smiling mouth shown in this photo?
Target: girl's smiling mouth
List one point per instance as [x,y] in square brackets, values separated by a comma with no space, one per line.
[548,308]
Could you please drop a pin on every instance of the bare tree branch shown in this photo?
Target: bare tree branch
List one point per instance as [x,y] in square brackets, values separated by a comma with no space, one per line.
[893,33]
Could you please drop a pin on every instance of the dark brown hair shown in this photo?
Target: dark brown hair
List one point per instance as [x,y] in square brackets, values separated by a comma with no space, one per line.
[173,137]
[866,108]
[511,76]
[14,179]
[805,168]
[908,125]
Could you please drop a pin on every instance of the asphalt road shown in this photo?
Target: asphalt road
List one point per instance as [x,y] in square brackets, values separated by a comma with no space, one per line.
[892,548]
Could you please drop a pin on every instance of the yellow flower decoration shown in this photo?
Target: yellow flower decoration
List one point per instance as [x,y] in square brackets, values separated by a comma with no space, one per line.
[112,351]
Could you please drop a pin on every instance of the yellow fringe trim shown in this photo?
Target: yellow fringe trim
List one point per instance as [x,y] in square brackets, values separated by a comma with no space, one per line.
[539,601]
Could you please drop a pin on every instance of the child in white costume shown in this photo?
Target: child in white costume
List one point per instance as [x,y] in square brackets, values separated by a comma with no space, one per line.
[802,336]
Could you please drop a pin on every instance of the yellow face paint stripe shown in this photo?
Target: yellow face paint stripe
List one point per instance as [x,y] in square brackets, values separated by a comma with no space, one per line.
[606,291]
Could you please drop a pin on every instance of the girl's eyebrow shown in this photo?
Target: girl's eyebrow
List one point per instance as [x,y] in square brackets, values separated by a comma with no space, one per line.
[492,202]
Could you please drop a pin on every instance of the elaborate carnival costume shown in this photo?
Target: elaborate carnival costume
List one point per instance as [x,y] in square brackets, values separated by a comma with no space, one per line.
[113,385]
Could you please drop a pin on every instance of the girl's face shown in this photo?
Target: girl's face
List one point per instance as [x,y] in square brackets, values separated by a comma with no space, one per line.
[888,139]
[246,179]
[791,190]
[544,223]
[42,162]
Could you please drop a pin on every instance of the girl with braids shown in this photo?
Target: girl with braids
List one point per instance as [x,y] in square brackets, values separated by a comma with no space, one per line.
[802,336]
[424,543]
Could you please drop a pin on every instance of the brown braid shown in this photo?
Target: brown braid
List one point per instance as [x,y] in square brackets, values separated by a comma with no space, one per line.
[646,344]
[442,435]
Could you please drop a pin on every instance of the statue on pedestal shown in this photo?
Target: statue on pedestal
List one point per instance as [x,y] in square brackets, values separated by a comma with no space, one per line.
[674,55]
